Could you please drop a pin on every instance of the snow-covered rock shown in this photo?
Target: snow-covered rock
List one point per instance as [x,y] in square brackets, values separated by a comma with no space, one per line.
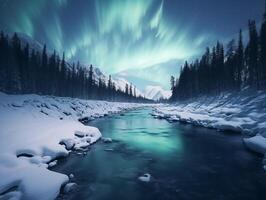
[53,163]
[71,176]
[107,140]
[69,143]
[145,178]
[36,130]
[256,143]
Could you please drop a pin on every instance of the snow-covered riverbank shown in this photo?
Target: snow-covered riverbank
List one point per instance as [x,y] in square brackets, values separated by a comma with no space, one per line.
[35,131]
[243,112]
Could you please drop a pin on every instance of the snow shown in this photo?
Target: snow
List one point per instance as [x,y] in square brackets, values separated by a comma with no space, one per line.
[121,82]
[107,140]
[145,178]
[71,176]
[11,196]
[256,143]
[233,112]
[35,131]
[157,93]
[33,181]
[243,112]
[52,164]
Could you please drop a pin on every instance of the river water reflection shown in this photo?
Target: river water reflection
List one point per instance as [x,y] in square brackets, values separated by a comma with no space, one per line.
[186,162]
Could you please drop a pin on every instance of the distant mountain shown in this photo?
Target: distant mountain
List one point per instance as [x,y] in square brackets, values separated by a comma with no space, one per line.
[33,44]
[158,74]
[121,84]
[140,83]
[157,93]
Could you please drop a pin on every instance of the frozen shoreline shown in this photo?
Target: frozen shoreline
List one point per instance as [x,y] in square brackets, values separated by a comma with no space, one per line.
[35,131]
[243,112]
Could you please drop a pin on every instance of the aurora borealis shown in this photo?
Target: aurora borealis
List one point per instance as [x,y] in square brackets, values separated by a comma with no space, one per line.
[119,35]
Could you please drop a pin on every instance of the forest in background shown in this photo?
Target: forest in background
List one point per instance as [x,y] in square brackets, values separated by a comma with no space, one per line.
[25,71]
[229,69]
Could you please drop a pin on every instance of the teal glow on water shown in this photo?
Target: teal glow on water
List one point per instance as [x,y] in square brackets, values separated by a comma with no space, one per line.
[185,162]
[138,129]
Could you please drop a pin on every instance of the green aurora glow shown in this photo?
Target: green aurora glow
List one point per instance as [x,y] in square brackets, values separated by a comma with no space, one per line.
[115,35]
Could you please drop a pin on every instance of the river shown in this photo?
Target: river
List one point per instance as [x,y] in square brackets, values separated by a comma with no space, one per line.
[185,162]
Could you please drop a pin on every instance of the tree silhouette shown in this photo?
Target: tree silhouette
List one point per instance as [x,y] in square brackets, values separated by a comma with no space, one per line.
[24,71]
[217,72]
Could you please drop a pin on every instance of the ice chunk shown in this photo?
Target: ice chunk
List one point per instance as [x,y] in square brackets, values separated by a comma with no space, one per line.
[256,143]
[107,140]
[52,164]
[145,178]
[71,176]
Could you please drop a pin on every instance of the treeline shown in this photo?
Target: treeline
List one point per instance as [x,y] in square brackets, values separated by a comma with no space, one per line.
[24,70]
[225,69]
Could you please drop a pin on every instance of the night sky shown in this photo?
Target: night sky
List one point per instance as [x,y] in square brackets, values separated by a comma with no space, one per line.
[118,35]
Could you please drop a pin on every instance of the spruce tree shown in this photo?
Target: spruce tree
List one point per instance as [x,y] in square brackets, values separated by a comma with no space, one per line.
[253,71]
[263,50]
[44,76]
[240,60]
[130,90]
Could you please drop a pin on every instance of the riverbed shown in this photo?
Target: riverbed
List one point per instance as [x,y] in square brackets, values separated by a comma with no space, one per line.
[185,162]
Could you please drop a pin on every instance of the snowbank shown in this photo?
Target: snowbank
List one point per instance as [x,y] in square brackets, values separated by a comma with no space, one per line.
[256,143]
[35,131]
[243,112]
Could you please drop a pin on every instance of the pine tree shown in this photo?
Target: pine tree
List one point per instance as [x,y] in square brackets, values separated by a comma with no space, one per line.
[44,73]
[22,71]
[3,61]
[230,71]
[33,72]
[90,81]
[14,58]
[130,90]
[91,76]
[52,74]
[126,89]
[252,59]
[240,60]
[62,77]
[110,87]
[25,70]
[263,50]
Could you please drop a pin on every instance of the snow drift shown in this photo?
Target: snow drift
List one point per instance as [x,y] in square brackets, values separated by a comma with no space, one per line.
[243,112]
[35,131]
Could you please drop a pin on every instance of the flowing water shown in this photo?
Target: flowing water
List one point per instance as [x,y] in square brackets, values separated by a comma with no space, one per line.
[185,162]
